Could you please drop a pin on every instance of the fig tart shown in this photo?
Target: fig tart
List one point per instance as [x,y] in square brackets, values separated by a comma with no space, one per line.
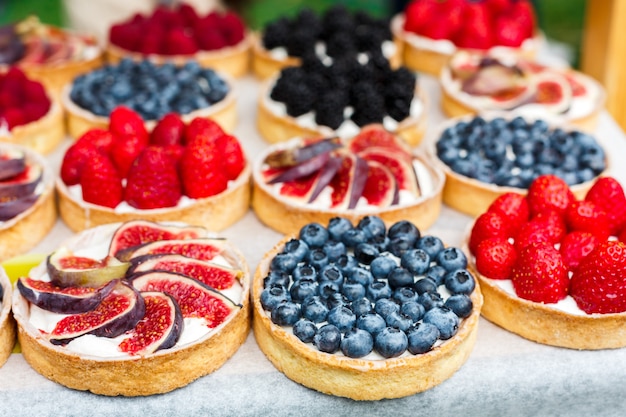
[134,309]
[372,173]
[486,156]
[191,172]
[177,34]
[7,323]
[551,265]
[340,312]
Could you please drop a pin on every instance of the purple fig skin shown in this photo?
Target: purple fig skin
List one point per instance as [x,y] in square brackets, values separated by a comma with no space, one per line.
[176,329]
[26,187]
[58,302]
[328,172]
[13,165]
[303,169]
[11,208]
[359,178]
[289,157]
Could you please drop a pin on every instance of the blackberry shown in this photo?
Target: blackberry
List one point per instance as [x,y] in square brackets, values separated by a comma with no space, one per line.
[341,43]
[336,19]
[311,63]
[300,101]
[307,18]
[300,42]
[276,33]
[369,105]
[329,111]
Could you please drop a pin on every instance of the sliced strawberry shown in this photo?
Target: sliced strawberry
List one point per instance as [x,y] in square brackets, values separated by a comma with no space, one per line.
[575,246]
[539,274]
[495,258]
[153,180]
[488,225]
[169,130]
[100,182]
[548,192]
[586,216]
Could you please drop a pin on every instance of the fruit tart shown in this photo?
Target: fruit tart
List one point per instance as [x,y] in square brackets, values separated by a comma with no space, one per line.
[150,90]
[476,82]
[484,157]
[316,99]
[335,34]
[51,55]
[191,172]
[365,312]
[29,114]
[134,309]
[374,172]
[430,32]
[27,200]
[551,266]
[177,34]
[7,323]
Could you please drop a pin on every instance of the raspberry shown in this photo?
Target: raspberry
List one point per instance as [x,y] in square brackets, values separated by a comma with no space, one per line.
[153,180]
[548,192]
[539,274]
[168,131]
[124,152]
[575,246]
[124,121]
[210,39]
[234,160]
[232,27]
[607,193]
[100,182]
[488,225]
[12,117]
[586,216]
[495,258]
[178,42]
[514,208]
[201,171]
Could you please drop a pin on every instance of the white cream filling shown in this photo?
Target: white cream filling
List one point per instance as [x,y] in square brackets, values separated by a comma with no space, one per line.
[388,48]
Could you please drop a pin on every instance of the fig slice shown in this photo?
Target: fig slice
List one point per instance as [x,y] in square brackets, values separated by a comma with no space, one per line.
[160,328]
[401,168]
[552,92]
[380,188]
[214,275]
[376,135]
[66,270]
[194,298]
[23,184]
[138,232]
[118,312]
[493,79]
[11,207]
[204,249]
[348,182]
[294,156]
[308,188]
[302,169]
[12,163]
[64,300]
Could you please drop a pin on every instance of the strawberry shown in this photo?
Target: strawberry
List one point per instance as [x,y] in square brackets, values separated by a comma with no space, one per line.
[495,258]
[233,158]
[419,13]
[598,284]
[200,126]
[548,192]
[178,42]
[539,274]
[553,222]
[124,152]
[153,180]
[532,232]
[509,31]
[586,216]
[100,138]
[525,15]
[608,194]
[125,122]
[100,182]
[477,32]
[575,246]
[498,7]
[169,130]
[82,151]
[201,170]
[487,225]
[514,208]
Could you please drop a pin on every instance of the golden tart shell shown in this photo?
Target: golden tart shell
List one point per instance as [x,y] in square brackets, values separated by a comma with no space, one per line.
[7,323]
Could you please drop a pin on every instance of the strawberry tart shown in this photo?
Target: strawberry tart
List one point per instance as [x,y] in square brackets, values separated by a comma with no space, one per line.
[364,311]
[191,172]
[486,156]
[177,34]
[372,173]
[477,82]
[430,32]
[7,323]
[551,266]
[134,309]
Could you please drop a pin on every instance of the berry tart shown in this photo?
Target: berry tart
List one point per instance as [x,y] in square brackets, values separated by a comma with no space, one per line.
[194,173]
[477,82]
[316,99]
[150,90]
[177,34]
[314,180]
[484,157]
[134,309]
[337,311]
[29,115]
[430,32]
[7,323]
[552,266]
[27,200]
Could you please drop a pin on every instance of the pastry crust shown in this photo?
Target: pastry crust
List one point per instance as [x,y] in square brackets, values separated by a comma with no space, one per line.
[233,60]
[7,323]
[359,379]
[155,373]
[279,128]
[216,213]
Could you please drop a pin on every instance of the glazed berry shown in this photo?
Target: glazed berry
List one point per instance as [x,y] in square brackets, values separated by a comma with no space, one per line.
[372,226]
[347,264]
[315,309]
[406,229]
[371,322]
[362,276]
[444,319]
[334,250]
[399,277]
[353,290]
[416,261]
[413,309]
[318,258]
[342,317]
[286,313]
[430,300]
[276,277]
[303,289]
[361,306]
[398,321]
[314,235]
[331,273]
[431,245]
[353,237]
[378,289]
[460,281]
[304,272]
[337,226]
[452,258]
[422,338]
[357,343]
[327,339]
[424,285]
[365,253]
[460,304]
[283,262]
[436,274]
[274,295]
[386,306]
[404,294]
[390,342]
[298,248]
[382,266]
[329,289]
[305,330]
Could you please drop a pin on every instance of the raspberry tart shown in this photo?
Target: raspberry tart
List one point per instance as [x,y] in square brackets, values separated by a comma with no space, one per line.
[430,32]
[150,90]
[375,172]
[175,172]
[134,309]
[484,157]
[7,323]
[339,312]
[476,82]
[551,266]
[177,34]
[334,34]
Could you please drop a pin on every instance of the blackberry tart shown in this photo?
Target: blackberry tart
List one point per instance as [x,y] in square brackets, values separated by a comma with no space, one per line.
[377,322]
[334,34]
[7,323]
[134,309]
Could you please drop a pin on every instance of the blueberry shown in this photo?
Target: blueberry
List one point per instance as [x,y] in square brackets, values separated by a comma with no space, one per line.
[430,300]
[399,244]
[304,272]
[314,235]
[461,304]
[372,226]
[371,322]
[406,229]
[422,338]
[298,248]
[386,306]
[315,309]
[331,273]
[347,264]
[416,261]
[362,276]
[361,306]
[334,250]
[337,226]
[357,343]
[460,281]
[382,266]
[452,258]
[276,277]
[336,299]
[283,262]
[404,294]
[342,317]
[399,277]
[377,290]
[303,289]
[352,237]
[413,309]
[424,285]
[328,288]
[390,342]
[305,330]
[381,243]
[327,339]
[444,319]
[431,245]
[286,313]
[318,258]
[398,320]
[365,253]
[274,295]
[353,290]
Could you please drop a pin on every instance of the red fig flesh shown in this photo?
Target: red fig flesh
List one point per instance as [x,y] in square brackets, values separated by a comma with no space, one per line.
[401,169]
[289,157]
[22,184]
[380,188]
[378,136]
[12,163]
[204,249]
[302,169]
[349,182]
[66,270]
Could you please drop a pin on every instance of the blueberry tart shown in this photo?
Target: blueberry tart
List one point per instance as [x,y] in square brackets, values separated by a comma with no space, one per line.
[7,323]
[134,309]
[378,320]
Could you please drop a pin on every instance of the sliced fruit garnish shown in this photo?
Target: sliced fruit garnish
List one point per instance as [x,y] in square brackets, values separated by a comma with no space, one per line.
[553,92]
[65,269]
[295,156]
[348,182]
[204,249]
[396,163]
[578,88]
[12,163]
[378,136]
[11,206]
[380,188]
[23,184]
[302,169]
